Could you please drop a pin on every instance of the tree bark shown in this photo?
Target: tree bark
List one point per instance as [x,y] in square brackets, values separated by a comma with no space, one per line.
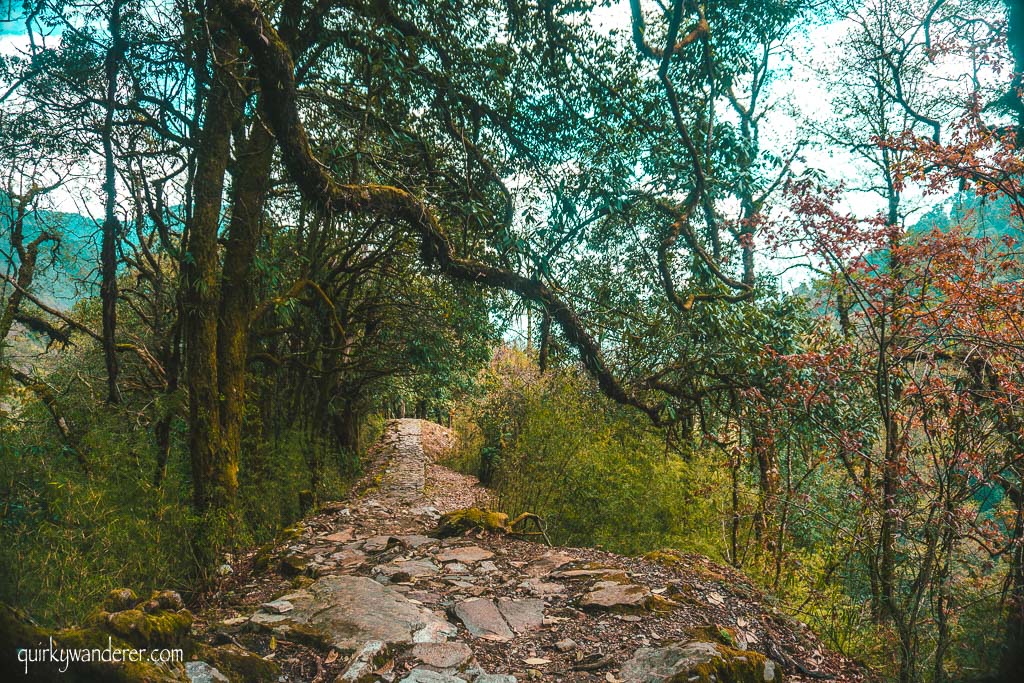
[111,225]
[214,470]
[251,178]
[1012,660]
[346,427]
[1015,41]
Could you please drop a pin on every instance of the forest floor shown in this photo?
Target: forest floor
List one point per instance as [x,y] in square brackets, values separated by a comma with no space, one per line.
[365,590]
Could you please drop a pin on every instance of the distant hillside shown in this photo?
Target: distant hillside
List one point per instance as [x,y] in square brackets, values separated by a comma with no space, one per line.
[66,271]
[985,217]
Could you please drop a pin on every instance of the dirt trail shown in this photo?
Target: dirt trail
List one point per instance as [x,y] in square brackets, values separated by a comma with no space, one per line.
[366,591]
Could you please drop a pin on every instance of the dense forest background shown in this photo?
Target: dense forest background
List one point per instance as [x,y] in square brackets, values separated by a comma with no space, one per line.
[740,278]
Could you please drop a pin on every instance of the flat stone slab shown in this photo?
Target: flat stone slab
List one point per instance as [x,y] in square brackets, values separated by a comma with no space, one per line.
[467,554]
[617,598]
[522,615]
[399,571]
[348,559]
[201,672]
[538,587]
[548,563]
[277,607]
[483,620]
[343,536]
[427,676]
[413,541]
[345,612]
[376,544]
[605,574]
[442,655]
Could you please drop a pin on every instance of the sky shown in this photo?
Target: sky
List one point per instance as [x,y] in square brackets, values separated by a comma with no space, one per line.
[10,12]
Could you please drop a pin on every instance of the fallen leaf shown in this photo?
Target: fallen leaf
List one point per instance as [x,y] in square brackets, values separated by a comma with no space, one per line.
[273,643]
[536,661]
[331,657]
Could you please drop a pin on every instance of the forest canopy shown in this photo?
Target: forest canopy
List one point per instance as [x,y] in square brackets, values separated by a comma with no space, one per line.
[761,259]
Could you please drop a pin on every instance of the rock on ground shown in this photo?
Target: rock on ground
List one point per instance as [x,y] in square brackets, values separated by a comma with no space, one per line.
[345,612]
[699,662]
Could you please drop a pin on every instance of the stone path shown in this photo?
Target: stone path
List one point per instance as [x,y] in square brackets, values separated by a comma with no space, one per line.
[405,472]
[367,591]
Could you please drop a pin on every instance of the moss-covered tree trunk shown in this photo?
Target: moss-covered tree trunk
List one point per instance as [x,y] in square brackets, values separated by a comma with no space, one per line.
[251,175]
[214,468]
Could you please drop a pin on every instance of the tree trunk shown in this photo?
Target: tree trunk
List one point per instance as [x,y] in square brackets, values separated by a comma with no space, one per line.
[1015,41]
[214,470]
[1012,661]
[251,177]
[346,428]
[111,225]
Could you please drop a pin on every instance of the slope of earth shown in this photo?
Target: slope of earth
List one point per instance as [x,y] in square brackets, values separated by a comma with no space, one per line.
[369,590]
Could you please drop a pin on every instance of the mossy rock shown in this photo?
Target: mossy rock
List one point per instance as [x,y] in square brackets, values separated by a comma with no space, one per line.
[665,557]
[733,666]
[301,581]
[158,628]
[240,665]
[701,662]
[120,599]
[715,633]
[659,603]
[291,533]
[468,519]
[264,556]
[590,564]
[294,564]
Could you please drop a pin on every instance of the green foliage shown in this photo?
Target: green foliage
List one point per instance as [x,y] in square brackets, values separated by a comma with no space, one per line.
[68,537]
[595,473]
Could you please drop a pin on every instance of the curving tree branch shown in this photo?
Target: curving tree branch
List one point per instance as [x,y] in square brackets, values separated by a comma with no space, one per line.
[277,78]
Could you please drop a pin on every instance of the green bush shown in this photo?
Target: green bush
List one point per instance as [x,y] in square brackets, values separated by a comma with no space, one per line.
[597,473]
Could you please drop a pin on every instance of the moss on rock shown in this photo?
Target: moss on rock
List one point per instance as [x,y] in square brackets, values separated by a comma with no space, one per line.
[715,633]
[240,665]
[697,661]
[294,564]
[732,666]
[159,628]
[468,519]
[665,557]
[120,599]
